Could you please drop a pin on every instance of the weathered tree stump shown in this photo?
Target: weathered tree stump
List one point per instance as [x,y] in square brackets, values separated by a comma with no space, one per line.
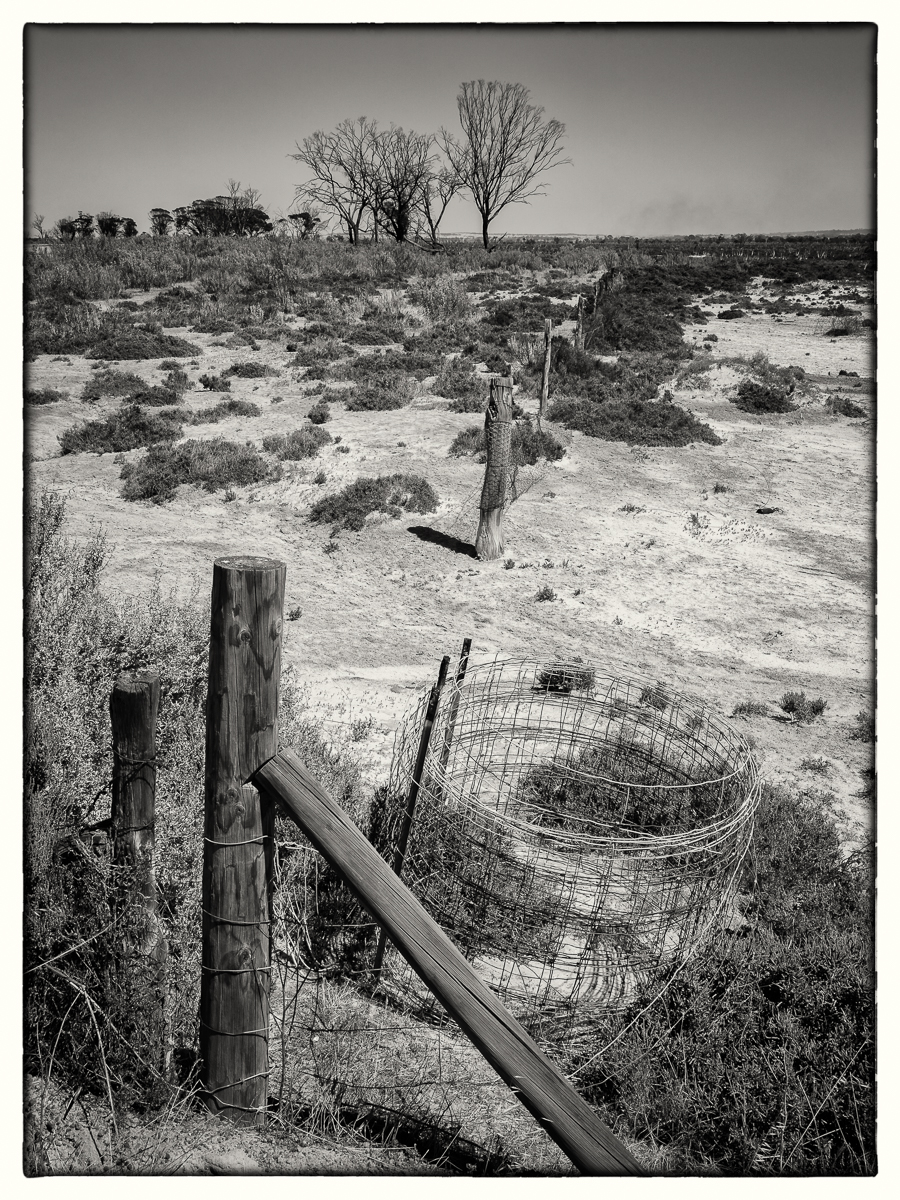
[545,382]
[241,734]
[498,442]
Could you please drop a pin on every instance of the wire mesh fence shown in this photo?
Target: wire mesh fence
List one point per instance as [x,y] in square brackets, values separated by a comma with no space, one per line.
[573,833]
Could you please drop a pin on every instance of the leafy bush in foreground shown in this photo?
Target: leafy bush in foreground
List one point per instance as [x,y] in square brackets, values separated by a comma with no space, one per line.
[126,429]
[636,422]
[299,443]
[391,494]
[213,464]
[759,1057]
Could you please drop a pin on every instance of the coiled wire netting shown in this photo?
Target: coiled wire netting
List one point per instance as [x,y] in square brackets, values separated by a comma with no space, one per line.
[573,832]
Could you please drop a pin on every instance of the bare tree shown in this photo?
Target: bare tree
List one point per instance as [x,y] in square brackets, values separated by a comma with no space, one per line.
[401,171]
[436,195]
[507,145]
[342,172]
[38,224]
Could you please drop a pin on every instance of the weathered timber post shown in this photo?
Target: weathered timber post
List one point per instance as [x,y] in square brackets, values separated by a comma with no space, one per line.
[498,440]
[133,707]
[545,383]
[454,702]
[241,735]
[413,794]
[579,328]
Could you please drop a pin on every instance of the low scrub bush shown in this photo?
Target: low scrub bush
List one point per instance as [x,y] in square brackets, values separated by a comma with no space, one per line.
[758,1056]
[141,343]
[565,677]
[843,406]
[756,397]
[458,381]
[249,370]
[863,728]
[305,442]
[545,592]
[442,297]
[391,494]
[635,422]
[528,444]
[215,383]
[731,314]
[750,708]
[801,710]
[126,429]
[319,413]
[392,389]
[44,396]
[211,464]
[226,408]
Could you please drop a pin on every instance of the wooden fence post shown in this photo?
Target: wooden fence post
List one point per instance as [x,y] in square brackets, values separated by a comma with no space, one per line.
[133,707]
[545,383]
[413,794]
[454,702]
[498,441]
[579,328]
[241,734]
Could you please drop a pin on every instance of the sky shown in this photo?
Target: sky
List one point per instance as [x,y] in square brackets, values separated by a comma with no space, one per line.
[690,129]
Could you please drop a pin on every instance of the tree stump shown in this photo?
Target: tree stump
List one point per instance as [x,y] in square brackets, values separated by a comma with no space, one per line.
[498,443]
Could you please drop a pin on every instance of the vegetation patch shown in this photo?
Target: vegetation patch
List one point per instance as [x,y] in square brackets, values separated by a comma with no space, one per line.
[754,397]
[843,406]
[388,390]
[305,442]
[226,408]
[141,343]
[211,464]
[44,396]
[528,444]
[319,413]
[249,370]
[800,709]
[126,429]
[635,422]
[391,494]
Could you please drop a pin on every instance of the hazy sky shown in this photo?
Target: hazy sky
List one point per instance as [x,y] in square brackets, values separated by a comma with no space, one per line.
[690,129]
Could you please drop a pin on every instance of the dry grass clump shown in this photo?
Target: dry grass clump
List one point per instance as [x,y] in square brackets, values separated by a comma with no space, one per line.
[209,464]
[442,297]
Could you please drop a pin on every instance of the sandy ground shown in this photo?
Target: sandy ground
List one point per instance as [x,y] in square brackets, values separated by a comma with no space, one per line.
[696,588]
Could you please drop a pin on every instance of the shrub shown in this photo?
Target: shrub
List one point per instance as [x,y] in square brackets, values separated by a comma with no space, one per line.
[215,383]
[843,406]
[393,389]
[801,710]
[527,446]
[140,343]
[731,314]
[443,298]
[299,443]
[213,464]
[566,677]
[226,408]
[44,396]
[756,397]
[458,381]
[124,430]
[319,413]
[656,696]
[545,592]
[750,708]
[635,422]
[248,370]
[819,766]
[390,494]
[863,728]
[758,1054]
[109,382]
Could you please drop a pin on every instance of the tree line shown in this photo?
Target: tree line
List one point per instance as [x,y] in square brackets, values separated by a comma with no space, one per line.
[367,182]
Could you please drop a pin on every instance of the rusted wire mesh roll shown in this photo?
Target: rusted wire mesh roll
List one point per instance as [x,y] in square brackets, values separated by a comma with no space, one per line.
[580,832]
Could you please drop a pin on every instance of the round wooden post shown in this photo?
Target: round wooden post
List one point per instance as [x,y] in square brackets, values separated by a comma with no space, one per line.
[241,734]
[498,440]
[133,708]
[545,382]
[579,329]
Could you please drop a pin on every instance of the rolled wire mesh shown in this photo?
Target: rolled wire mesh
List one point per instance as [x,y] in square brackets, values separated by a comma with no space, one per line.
[573,833]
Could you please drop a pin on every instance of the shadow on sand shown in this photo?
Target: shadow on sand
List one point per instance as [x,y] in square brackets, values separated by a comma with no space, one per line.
[427,534]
